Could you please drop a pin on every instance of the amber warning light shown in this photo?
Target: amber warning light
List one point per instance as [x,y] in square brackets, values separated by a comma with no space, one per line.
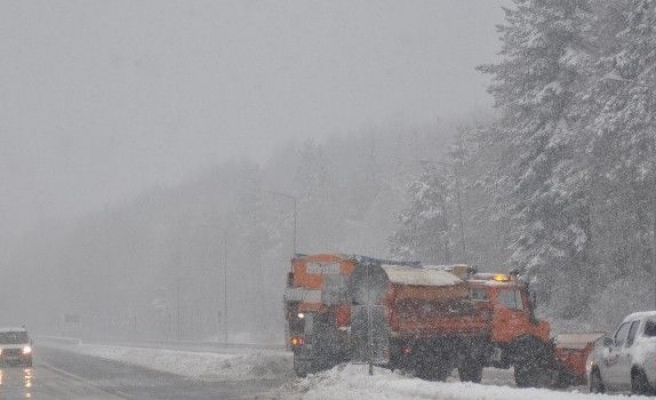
[502,278]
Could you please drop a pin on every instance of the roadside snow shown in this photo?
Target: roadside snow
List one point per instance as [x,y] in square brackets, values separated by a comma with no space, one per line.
[346,382]
[210,366]
[343,382]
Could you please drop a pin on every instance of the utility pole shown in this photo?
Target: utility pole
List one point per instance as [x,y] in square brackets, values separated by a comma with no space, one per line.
[225,288]
[370,349]
[295,203]
[462,221]
[178,309]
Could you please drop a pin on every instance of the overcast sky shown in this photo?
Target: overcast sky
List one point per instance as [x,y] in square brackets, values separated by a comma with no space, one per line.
[100,100]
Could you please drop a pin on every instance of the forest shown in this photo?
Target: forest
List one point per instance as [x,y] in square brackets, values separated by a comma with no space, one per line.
[558,182]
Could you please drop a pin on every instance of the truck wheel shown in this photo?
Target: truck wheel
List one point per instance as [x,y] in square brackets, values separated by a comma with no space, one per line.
[533,376]
[533,362]
[639,383]
[471,371]
[596,385]
[435,373]
[432,372]
[302,368]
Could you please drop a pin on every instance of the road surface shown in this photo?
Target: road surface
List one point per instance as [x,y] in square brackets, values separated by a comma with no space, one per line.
[60,374]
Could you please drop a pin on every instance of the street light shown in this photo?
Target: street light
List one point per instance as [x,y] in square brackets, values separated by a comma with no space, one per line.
[292,198]
[225,287]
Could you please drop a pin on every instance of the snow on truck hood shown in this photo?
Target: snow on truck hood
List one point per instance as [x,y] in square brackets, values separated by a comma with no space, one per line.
[420,277]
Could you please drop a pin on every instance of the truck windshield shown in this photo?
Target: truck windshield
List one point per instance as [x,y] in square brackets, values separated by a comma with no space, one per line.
[13,337]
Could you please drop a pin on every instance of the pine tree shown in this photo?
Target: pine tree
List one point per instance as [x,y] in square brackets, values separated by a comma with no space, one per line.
[622,134]
[424,226]
[544,48]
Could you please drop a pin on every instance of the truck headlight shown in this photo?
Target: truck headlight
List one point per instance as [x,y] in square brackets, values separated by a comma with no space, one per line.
[27,350]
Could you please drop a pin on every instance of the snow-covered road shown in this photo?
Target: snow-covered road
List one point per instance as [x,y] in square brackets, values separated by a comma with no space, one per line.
[342,382]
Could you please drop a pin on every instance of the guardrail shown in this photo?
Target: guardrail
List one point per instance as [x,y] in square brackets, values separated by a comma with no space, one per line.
[58,340]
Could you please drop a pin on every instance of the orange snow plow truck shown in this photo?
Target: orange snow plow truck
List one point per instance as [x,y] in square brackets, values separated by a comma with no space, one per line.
[424,319]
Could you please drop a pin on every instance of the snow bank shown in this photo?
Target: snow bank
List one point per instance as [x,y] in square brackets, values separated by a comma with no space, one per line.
[344,382]
[353,382]
[202,365]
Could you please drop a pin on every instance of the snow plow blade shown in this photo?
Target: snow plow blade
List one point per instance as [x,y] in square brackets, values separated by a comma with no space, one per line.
[572,352]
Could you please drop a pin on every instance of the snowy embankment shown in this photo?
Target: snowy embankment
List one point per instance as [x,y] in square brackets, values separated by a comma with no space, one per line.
[343,382]
[209,365]
[353,382]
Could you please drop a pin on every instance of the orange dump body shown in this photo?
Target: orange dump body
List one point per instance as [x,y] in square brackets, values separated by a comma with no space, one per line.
[429,311]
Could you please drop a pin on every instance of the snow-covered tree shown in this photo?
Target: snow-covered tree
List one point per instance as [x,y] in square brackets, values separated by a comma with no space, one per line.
[423,233]
[544,48]
[622,131]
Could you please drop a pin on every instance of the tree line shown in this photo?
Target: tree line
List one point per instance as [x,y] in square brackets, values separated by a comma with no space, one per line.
[562,185]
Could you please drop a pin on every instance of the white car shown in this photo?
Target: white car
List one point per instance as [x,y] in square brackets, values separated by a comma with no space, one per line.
[15,347]
[626,360]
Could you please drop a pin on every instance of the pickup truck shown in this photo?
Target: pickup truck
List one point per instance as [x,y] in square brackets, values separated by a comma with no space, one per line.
[626,359]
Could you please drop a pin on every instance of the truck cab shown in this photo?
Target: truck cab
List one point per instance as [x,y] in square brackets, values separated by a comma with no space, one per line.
[508,304]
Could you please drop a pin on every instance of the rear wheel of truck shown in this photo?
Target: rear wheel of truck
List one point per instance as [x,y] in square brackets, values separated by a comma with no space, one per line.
[471,371]
[302,367]
[432,365]
[434,372]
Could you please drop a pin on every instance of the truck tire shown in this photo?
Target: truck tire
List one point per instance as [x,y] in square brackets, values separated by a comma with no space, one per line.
[471,371]
[302,367]
[640,384]
[534,364]
[596,384]
[535,376]
[434,372]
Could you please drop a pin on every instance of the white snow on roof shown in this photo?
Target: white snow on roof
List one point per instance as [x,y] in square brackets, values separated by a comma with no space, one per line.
[640,315]
[419,277]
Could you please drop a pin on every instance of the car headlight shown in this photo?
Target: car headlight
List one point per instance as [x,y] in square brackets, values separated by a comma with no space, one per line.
[27,350]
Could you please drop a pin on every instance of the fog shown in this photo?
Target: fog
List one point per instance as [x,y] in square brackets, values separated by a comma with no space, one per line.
[143,144]
[102,100]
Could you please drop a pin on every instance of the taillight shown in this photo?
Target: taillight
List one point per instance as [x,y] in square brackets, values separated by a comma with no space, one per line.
[298,341]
